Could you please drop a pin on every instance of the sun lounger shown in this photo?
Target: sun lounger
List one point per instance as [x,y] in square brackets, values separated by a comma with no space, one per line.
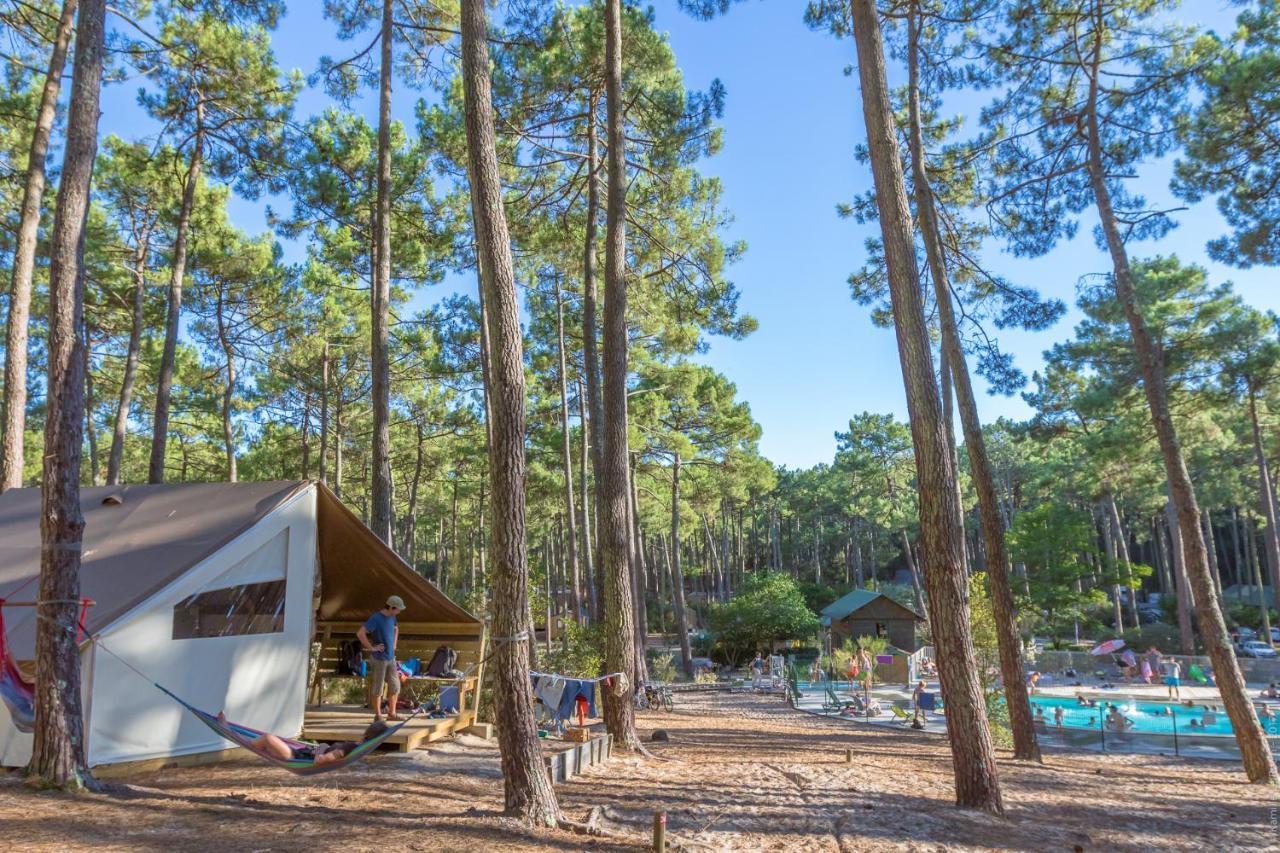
[900,715]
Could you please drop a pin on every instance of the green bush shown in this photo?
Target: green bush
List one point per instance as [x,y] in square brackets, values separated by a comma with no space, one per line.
[768,607]
[662,667]
[580,654]
[1242,613]
[1164,637]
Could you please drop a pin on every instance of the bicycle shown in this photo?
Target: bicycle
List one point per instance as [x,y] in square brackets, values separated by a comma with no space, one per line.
[653,697]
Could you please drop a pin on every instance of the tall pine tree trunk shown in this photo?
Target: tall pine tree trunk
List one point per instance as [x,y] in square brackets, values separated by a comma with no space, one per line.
[380,298]
[613,483]
[1254,749]
[588,553]
[1181,589]
[91,432]
[121,425]
[164,388]
[228,394]
[14,403]
[972,751]
[638,578]
[677,576]
[1122,543]
[58,748]
[997,564]
[575,575]
[1266,500]
[594,422]
[527,786]
[324,413]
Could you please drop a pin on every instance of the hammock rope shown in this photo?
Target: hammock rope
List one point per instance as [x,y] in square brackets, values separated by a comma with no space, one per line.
[241,735]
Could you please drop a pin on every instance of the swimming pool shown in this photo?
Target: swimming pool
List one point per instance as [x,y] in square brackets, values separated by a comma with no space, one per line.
[1148,717]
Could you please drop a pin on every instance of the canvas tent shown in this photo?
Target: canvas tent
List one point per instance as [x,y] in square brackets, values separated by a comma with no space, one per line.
[217,591]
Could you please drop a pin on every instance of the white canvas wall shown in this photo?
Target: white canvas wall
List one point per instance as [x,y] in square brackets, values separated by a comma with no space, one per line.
[259,680]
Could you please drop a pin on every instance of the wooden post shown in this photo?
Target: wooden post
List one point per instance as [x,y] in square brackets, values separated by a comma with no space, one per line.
[660,832]
[848,756]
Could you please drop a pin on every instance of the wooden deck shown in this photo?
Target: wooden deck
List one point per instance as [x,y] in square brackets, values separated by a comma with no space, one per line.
[333,723]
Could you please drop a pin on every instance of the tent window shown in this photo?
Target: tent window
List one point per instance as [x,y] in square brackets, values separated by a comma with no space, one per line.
[254,608]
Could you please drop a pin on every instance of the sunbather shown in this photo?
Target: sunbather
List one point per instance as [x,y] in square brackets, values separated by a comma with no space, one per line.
[277,747]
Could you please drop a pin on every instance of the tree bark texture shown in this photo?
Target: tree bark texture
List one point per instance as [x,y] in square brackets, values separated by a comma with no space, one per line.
[973,754]
[14,403]
[380,298]
[612,487]
[58,754]
[1259,764]
[527,786]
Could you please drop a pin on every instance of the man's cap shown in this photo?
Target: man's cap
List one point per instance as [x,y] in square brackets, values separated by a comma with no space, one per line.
[395,601]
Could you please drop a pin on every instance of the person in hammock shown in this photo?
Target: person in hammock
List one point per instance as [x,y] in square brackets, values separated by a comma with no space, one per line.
[278,747]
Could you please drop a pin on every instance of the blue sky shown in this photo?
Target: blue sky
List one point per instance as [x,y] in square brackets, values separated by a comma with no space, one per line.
[792,120]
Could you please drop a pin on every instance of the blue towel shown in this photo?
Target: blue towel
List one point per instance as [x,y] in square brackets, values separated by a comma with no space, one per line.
[572,690]
[449,700]
[927,702]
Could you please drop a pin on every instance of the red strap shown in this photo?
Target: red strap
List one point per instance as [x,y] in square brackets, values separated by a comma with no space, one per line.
[85,603]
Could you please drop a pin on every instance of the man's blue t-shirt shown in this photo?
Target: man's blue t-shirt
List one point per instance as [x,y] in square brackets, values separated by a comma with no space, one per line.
[381,628]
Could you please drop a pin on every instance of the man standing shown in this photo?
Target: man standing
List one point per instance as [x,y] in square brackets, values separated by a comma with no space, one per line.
[378,635]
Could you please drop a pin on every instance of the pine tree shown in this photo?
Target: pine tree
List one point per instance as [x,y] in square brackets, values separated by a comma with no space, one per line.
[14,403]
[1069,133]
[58,747]
[529,794]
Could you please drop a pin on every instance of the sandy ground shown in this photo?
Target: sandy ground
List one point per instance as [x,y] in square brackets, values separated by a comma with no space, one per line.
[741,772]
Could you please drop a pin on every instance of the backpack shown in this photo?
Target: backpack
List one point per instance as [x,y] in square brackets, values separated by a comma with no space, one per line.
[350,658]
[441,662]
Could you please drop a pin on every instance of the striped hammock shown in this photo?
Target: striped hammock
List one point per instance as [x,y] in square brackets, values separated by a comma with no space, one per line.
[245,737]
[18,694]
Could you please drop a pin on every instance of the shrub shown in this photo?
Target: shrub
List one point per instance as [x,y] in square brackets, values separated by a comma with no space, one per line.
[768,607]
[580,654]
[1162,636]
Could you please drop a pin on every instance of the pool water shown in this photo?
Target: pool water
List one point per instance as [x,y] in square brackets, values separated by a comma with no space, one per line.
[1147,716]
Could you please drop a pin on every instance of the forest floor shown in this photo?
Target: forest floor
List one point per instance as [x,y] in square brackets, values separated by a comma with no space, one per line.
[741,772]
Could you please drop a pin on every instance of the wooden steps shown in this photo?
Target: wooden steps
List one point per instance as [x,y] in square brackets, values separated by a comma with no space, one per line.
[332,723]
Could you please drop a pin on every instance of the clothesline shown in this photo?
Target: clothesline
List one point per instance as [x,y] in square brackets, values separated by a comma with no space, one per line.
[535,674]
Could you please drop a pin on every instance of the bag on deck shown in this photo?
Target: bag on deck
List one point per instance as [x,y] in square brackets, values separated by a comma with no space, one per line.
[350,658]
[441,662]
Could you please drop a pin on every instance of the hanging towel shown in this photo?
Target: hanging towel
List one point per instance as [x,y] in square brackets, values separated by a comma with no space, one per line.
[574,688]
[550,689]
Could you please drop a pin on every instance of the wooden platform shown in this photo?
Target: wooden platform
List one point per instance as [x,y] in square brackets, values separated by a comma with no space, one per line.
[334,723]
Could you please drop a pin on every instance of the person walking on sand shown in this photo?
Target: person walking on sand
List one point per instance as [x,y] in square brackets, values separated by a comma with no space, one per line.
[378,636]
[916,696]
[1173,678]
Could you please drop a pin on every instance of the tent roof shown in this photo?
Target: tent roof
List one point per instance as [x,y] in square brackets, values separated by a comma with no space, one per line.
[856,600]
[156,533]
[358,572]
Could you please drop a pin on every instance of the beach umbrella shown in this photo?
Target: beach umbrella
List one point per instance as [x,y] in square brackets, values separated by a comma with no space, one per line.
[1106,647]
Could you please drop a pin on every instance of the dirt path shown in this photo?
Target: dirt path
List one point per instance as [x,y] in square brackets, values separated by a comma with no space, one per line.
[740,773]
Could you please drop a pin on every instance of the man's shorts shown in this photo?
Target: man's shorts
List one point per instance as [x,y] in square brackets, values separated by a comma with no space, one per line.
[384,670]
